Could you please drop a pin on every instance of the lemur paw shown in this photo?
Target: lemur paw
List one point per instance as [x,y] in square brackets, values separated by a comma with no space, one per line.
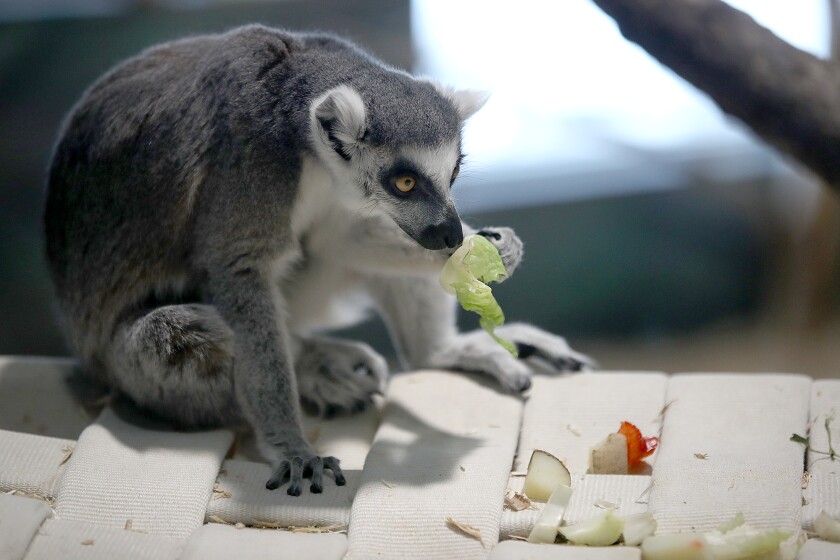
[552,350]
[305,465]
[476,351]
[509,245]
[337,378]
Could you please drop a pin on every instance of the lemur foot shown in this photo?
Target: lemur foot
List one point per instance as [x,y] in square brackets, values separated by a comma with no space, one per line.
[302,466]
[337,377]
[509,245]
[550,349]
[476,351]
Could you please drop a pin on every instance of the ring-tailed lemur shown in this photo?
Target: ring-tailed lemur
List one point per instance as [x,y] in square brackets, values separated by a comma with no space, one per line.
[214,202]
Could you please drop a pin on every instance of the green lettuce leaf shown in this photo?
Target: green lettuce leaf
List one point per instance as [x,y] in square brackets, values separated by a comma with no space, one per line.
[466,273]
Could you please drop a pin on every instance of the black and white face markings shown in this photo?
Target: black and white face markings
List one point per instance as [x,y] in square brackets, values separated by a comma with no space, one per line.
[419,182]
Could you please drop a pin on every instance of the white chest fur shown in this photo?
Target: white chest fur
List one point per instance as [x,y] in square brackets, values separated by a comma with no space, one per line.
[322,291]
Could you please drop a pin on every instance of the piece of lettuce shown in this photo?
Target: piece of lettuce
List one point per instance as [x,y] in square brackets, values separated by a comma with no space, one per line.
[466,274]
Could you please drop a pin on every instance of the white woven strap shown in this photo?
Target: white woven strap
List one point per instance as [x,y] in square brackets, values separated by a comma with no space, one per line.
[512,550]
[822,487]
[627,492]
[161,481]
[32,464]
[36,397]
[348,438]
[61,538]
[222,542]
[444,450]
[20,519]
[241,497]
[568,415]
[725,449]
[36,401]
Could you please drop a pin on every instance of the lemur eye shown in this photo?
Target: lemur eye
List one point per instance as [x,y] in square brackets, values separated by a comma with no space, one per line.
[405,183]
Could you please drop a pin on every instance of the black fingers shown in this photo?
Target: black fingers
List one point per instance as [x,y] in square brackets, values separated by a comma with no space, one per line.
[488,233]
[331,463]
[297,469]
[279,476]
[296,477]
[526,350]
[332,411]
[317,466]
[562,363]
[569,364]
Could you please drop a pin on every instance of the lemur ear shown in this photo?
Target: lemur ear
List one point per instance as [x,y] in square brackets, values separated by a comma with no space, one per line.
[338,119]
[469,101]
[466,101]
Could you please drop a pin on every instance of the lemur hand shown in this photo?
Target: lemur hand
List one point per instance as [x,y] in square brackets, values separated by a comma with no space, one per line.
[301,462]
[508,244]
[476,351]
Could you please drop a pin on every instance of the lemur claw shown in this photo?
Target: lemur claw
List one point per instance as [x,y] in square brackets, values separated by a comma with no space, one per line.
[298,468]
[508,244]
[562,363]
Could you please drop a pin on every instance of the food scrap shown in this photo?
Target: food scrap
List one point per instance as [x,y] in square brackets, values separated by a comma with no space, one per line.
[733,540]
[832,454]
[621,451]
[466,274]
[517,502]
[638,447]
[68,452]
[637,527]
[545,473]
[827,527]
[468,530]
[602,530]
[610,456]
[548,523]
[548,475]
[219,492]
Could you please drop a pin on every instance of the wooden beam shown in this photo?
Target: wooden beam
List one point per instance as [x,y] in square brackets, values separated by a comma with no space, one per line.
[790,98]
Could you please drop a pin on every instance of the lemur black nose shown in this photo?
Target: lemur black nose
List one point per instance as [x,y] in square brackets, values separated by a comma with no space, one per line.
[448,234]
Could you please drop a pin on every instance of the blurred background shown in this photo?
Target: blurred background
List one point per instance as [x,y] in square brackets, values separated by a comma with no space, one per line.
[659,234]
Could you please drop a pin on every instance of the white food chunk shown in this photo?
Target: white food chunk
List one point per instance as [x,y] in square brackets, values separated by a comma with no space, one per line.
[545,529]
[637,527]
[545,473]
[827,527]
[676,546]
[609,456]
[602,530]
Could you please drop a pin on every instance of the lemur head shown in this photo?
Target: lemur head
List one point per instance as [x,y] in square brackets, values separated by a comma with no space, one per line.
[396,145]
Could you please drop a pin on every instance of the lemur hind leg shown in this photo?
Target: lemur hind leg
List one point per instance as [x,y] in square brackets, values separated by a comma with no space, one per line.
[338,377]
[177,361]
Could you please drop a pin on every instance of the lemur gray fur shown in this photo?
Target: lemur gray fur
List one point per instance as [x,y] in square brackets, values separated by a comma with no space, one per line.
[216,202]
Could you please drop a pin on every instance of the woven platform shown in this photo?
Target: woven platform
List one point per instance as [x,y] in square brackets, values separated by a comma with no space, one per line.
[441,445]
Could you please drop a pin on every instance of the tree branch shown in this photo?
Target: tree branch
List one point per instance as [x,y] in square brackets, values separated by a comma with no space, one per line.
[788,97]
[834,29]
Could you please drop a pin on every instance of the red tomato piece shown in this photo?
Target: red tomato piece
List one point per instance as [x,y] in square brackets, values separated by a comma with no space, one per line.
[638,447]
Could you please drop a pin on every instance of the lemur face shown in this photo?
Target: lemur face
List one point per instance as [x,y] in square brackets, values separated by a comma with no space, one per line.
[400,163]
[415,190]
